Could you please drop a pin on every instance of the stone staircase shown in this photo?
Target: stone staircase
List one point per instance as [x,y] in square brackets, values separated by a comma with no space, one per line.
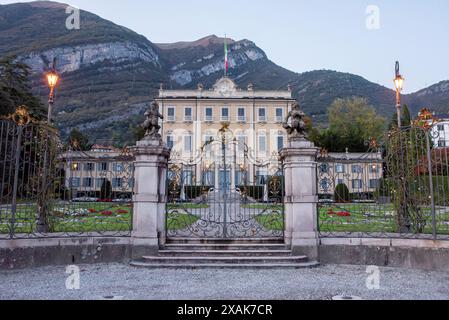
[223,254]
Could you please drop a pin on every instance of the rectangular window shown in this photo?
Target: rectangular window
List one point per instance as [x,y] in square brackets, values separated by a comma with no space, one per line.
[357,169]
[209,115]
[171,116]
[224,114]
[188,143]
[279,115]
[261,177]
[357,184]
[89,167]
[131,183]
[340,168]
[262,143]
[118,167]
[441,127]
[280,142]
[75,167]
[241,140]
[442,143]
[116,182]
[188,114]
[100,182]
[241,115]
[74,182]
[374,183]
[374,168]
[88,183]
[170,142]
[187,177]
[262,115]
[102,166]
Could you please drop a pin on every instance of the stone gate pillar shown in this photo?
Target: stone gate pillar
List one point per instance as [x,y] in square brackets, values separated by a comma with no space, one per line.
[150,196]
[301,198]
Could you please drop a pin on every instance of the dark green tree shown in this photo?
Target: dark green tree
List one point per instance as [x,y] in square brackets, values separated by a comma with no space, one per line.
[106,190]
[15,89]
[342,193]
[78,141]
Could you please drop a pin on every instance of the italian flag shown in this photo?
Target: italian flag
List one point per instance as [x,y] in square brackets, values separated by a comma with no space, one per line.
[226,56]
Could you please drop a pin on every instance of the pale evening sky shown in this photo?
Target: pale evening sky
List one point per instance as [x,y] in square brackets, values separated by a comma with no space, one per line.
[305,35]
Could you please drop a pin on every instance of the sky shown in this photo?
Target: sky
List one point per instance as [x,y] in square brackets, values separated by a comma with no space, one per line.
[355,36]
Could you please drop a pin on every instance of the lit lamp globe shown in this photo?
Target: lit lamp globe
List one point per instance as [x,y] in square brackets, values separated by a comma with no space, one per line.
[52,79]
[399,83]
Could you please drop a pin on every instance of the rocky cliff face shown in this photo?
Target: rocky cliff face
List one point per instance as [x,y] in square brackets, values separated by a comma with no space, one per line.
[70,59]
[208,53]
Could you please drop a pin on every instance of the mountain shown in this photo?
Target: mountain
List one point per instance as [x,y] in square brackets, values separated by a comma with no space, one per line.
[110,73]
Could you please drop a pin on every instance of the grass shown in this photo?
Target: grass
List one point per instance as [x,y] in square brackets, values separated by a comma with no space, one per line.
[264,206]
[76,218]
[273,222]
[179,221]
[373,218]
[174,206]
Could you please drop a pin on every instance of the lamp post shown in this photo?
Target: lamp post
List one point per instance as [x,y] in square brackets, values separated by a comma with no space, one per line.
[399,85]
[52,80]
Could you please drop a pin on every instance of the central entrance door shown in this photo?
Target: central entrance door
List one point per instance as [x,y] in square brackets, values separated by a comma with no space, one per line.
[225,192]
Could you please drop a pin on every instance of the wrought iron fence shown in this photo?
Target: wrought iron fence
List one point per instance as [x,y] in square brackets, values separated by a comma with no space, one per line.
[49,191]
[224,191]
[399,188]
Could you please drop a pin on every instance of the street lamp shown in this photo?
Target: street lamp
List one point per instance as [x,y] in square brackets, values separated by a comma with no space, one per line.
[52,80]
[399,85]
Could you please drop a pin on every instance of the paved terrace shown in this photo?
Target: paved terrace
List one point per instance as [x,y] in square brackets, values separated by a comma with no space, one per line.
[125,282]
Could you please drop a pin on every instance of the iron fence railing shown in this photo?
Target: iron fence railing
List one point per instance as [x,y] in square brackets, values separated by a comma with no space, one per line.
[47,191]
[399,188]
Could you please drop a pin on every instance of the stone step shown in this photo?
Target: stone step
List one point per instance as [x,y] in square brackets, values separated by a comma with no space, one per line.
[234,247]
[226,253]
[225,241]
[185,260]
[252,266]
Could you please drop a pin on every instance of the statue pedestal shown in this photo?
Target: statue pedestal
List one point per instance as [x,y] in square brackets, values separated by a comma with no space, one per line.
[151,161]
[301,197]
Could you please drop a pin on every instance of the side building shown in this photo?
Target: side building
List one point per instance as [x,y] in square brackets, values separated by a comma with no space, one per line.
[102,173]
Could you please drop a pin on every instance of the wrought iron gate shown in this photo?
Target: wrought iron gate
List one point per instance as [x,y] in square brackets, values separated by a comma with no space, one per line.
[225,192]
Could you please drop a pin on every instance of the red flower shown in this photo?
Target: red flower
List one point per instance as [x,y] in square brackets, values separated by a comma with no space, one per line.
[344,214]
[93,211]
[122,212]
[107,213]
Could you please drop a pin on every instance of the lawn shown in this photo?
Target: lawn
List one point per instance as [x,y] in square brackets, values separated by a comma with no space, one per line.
[272,222]
[372,218]
[179,221]
[264,206]
[89,217]
[75,217]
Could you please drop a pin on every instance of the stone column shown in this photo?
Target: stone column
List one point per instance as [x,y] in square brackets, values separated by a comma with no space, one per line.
[150,196]
[301,198]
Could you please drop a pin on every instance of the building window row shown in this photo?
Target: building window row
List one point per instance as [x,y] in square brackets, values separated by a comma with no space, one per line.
[225,114]
[101,166]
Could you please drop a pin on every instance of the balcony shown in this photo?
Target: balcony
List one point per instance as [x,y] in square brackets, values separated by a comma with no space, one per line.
[171,119]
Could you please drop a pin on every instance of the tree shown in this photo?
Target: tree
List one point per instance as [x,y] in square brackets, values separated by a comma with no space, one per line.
[352,122]
[78,141]
[15,90]
[406,119]
[342,193]
[106,190]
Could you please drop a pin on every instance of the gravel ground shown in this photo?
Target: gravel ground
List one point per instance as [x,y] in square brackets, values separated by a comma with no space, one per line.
[128,283]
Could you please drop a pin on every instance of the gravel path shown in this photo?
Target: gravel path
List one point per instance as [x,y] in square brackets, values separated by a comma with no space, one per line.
[125,282]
